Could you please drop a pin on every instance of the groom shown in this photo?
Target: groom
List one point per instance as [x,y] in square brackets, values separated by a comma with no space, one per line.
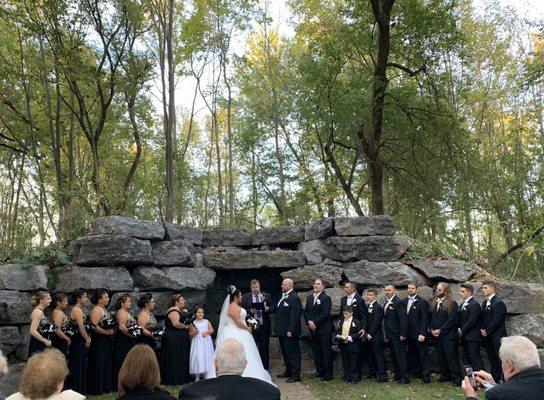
[287,328]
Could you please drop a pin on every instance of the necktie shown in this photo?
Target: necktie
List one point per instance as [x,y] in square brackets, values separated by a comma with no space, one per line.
[345,328]
[410,302]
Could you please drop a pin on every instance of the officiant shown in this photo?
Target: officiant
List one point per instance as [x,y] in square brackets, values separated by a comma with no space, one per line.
[256,303]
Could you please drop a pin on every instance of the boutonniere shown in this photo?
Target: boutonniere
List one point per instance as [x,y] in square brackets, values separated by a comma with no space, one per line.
[391,308]
[318,301]
[370,310]
[414,308]
[353,301]
[353,325]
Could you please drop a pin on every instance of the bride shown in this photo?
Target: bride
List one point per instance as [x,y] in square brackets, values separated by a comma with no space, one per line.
[232,325]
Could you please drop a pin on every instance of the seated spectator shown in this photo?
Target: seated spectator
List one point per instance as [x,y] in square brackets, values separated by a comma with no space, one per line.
[524,379]
[140,376]
[3,369]
[43,378]
[230,361]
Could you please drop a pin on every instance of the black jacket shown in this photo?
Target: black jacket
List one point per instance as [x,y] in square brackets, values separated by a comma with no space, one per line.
[141,393]
[374,322]
[247,301]
[229,387]
[354,330]
[418,317]
[493,319]
[445,321]
[319,313]
[288,313]
[395,320]
[359,309]
[525,385]
[469,321]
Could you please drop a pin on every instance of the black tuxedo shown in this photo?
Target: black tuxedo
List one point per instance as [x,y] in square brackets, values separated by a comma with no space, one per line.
[350,351]
[359,309]
[396,325]
[418,324]
[469,330]
[262,334]
[376,359]
[228,387]
[525,385]
[319,311]
[288,312]
[493,320]
[447,351]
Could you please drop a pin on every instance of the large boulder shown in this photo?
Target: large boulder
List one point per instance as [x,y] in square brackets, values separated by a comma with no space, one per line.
[178,232]
[278,235]
[173,253]
[117,225]
[21,353]
[21,277]
[107,250]
[9,339]
[173,278]
[320,229]
[318,250]
[226,237]
[380,273]
[365,226]
[9,384]
[14,307]
[529,325]
[253,259]
[447,270]
[162,300]
[69,279]
[371,248]
[304,277]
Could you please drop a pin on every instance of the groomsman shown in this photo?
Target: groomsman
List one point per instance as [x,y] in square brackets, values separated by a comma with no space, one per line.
[354,299]
[287,328]
[349,346]
[317,315]
[396,332]
[417,310]
[493,327]
[443,328]
[374,336]
[257,304]
[469,327]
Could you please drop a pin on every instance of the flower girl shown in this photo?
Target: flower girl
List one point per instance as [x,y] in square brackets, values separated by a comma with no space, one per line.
[202,353]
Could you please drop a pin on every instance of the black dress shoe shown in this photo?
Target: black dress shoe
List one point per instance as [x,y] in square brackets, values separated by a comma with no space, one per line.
[284,375]
[382,380]
[443,379]
[292,380]
[405,381]
[426,380]
[326,378]
[368,376]
[316,375]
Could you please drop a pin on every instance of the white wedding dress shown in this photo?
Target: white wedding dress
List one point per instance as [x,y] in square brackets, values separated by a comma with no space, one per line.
[229,330]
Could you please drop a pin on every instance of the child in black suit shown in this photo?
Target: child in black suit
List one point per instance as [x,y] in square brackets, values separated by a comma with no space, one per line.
[349,345]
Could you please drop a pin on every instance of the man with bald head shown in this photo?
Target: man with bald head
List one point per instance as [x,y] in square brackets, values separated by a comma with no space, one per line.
[288,311]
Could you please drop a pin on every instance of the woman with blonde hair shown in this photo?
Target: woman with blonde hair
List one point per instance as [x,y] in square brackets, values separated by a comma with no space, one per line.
[43,378]
[140,377]
[38,323]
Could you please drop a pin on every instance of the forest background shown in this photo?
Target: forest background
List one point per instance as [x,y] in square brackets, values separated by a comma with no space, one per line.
[222,114]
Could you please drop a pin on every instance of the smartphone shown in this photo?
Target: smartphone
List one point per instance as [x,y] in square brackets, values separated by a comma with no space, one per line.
[470,373]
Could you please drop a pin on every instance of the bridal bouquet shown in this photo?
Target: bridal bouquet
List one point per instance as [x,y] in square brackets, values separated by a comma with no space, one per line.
[252,322]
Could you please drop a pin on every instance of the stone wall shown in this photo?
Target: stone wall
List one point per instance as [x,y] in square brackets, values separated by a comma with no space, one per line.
[127,255]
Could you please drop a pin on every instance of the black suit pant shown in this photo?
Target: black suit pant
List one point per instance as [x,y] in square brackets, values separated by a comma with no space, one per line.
[322,349]
[418,359]
[262,340]
[471,353]
[492,346]
[398,358]
[447,353]
[350,364]
[290,351]
[376,360]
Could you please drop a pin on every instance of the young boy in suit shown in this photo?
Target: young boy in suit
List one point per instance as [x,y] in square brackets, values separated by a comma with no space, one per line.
[349,345]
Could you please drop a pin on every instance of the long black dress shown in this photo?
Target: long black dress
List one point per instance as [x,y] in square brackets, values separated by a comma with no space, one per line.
[122,346]
[77,361]
[58,342]
[100,368]
[175,353]
[35,345]
[150,325]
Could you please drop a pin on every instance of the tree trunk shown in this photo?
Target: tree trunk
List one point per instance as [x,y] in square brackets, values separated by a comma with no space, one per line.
[170,130]
[279,158]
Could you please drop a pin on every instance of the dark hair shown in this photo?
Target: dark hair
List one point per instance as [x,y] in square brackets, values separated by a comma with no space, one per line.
[254,282]
[373,291]
[411,283]
[140,369]
[199,308]
[353,284]
[76,295]
[144,300]
[97,295]
[468,287]
[489,283]
[59,298]
[39,296]
[173,300]
[119,303]
[233,292]
[348,309]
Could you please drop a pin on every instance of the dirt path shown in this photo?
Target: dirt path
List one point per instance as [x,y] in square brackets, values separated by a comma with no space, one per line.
[289,391]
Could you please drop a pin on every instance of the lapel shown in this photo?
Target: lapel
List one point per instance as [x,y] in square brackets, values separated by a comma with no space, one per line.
[410,308]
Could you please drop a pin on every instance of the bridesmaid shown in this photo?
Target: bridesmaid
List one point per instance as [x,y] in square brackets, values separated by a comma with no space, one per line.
[175,344]
[100,369]
[80,343]
[147,320]
[124,339]
[61,340]
[40,301]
